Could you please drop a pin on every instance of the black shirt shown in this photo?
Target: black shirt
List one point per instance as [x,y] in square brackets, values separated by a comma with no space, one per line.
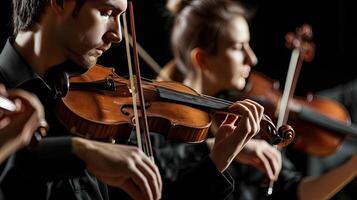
[51,171]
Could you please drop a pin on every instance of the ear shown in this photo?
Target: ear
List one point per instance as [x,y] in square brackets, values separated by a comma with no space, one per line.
[58,6]
[198,58]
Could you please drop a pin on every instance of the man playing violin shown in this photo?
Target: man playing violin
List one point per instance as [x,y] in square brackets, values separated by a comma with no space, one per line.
[48,33]
[51,34]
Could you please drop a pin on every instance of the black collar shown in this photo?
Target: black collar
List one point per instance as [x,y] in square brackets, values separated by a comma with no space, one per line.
[13,68]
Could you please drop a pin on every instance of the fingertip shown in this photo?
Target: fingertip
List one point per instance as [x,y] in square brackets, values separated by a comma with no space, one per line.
[3,90]
[18,103]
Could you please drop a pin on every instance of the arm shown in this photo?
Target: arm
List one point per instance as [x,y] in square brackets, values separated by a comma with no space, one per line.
[16,129]
[329,183]
[256,152]
[208,179]
[118,165]
[121,166]
[259,154]
[63,157]
[202,181]
[263,156]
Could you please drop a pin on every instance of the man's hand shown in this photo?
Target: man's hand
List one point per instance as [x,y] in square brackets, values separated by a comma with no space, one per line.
[121,166]
[17,128]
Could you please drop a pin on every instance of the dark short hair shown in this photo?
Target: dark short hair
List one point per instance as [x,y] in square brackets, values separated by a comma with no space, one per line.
[26,13]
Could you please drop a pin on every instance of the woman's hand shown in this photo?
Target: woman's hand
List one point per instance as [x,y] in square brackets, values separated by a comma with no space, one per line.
[260,154]
[230,139]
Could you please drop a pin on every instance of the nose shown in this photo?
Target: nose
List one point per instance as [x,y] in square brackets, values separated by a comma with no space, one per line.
[114,33]
[250,58]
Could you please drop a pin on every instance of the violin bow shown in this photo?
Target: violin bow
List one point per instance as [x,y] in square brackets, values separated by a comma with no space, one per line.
[6,104]
[149,60]
[298,55]
[132,85]
[144,143]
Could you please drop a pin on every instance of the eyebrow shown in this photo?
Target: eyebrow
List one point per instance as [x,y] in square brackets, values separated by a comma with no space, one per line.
[111,5]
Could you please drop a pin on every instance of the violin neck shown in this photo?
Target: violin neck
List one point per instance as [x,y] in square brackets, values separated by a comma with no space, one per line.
[326,122]
[205,102]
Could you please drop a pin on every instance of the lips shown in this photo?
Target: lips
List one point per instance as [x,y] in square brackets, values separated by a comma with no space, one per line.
[245,71]
[104,48]
[99,51]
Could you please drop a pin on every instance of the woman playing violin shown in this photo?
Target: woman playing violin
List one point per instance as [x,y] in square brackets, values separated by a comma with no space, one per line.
[74,34]
[210,42]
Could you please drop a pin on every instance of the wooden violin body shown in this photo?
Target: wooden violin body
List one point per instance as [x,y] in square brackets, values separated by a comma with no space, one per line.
[321,124]
[109,114]
[99,106]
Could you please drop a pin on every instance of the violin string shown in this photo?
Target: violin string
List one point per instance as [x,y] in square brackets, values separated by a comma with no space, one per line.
[203,96]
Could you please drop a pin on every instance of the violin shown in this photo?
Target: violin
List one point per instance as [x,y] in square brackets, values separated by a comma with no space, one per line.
[321,124]
[98,105]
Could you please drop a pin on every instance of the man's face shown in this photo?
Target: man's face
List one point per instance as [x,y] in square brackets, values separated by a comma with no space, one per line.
[90,33]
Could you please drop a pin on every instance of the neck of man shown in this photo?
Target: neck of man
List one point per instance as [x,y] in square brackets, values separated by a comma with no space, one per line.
[40,50]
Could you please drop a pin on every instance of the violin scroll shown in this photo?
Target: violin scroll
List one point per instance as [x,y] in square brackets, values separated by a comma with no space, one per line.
[281,137]
[287,134]
[302,40]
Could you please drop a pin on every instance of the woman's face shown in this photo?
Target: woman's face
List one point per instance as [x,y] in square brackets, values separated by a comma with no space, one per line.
[231,64]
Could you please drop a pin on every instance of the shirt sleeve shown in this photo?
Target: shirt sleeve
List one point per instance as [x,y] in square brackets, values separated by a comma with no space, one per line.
[52,159]
[203,181]
[288,181]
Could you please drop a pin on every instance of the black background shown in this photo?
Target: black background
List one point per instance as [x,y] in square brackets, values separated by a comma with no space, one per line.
[333,22]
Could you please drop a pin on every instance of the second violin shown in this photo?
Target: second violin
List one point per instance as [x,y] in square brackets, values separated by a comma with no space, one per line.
[321,124]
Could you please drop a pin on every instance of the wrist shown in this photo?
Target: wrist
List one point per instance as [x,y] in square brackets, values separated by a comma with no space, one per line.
[7,148]
[81,147]
[218,161]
